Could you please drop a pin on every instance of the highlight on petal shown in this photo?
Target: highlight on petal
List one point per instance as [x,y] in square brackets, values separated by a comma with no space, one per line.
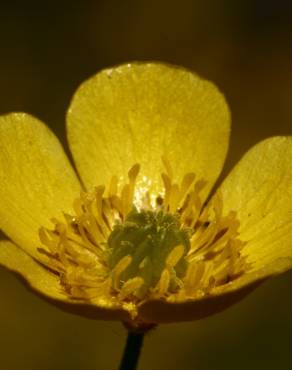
[37,181]
[47,285]
[139,113]
[259,190]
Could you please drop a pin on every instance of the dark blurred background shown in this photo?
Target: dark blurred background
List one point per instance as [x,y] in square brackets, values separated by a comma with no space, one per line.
[245,47]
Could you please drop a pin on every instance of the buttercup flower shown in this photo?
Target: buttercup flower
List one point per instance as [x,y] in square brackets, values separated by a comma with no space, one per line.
[139,238]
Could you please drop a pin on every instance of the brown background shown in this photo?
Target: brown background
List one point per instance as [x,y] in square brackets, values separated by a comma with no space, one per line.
[245,47]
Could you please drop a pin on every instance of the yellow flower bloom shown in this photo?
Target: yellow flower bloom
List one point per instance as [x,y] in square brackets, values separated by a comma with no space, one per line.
[138,239]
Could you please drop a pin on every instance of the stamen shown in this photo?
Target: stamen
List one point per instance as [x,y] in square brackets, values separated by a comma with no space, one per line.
[163,284]
[175,255]
[128,244]
[120,267]
[131,287]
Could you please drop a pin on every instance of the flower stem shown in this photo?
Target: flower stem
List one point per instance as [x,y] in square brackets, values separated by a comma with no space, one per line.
[132,351]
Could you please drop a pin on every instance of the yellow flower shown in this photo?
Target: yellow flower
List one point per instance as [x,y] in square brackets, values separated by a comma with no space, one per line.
[138,239]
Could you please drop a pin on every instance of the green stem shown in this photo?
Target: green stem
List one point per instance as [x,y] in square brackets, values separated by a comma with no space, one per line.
[132,351]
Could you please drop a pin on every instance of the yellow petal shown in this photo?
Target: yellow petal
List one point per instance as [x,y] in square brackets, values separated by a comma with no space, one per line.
[274,268]
[137,113]
[37,276]
[37,181]
[221,298]
[47,285]
[259,189]
[159,311]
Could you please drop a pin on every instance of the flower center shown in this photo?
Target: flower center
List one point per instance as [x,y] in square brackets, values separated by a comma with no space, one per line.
[127,244]
[145,245]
